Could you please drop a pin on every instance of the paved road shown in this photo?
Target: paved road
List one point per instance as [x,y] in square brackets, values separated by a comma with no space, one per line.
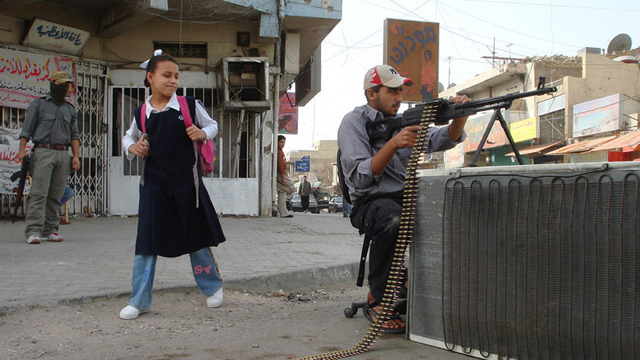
[93,267]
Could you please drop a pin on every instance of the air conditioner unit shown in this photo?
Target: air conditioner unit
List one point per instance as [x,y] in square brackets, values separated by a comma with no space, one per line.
[528,262]
[244,83]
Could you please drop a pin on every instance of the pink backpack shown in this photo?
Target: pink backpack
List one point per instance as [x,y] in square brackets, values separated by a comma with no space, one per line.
[206,148]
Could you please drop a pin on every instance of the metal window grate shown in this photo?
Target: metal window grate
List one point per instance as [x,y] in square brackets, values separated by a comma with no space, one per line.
[89,183]
[552,127]
[183,50]
[235,142]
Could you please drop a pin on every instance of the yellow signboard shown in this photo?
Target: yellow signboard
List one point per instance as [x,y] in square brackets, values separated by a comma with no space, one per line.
[524,130]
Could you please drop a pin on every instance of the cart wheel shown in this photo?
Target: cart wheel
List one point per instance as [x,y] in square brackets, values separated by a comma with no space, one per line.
[350,312]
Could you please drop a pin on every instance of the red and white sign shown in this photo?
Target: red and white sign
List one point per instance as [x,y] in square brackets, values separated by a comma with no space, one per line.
[25,76]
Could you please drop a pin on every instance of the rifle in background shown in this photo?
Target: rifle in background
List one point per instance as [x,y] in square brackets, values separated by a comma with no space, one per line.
[19,190]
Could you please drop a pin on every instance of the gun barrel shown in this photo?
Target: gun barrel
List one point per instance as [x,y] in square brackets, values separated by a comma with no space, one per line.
[505,98]
[448,110]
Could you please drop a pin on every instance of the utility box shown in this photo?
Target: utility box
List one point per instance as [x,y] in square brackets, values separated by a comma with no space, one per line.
[243,83]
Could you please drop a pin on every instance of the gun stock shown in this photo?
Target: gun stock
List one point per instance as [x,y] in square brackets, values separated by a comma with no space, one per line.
[448,110]
[24,170]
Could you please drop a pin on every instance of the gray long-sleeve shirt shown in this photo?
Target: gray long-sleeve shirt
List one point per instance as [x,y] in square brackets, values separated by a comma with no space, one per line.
[357,153]
[48,123]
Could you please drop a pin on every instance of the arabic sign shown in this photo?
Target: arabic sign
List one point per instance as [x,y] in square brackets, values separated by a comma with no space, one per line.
[302,166]
[55,37]
[454,158]
[288,118]
[9,164]
[475,128]
[524,129]
[411,47]
[25,76]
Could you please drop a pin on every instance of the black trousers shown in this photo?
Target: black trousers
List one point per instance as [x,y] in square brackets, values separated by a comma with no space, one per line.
[380,219]
[304,200]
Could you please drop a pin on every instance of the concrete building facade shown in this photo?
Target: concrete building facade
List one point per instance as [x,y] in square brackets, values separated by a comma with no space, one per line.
[542,125]
[321,160]
[237,57]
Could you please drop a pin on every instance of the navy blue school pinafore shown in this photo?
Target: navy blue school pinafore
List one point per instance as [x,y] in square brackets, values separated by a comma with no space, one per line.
[169,224]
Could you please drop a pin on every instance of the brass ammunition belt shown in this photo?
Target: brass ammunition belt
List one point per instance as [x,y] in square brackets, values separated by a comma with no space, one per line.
[407,219]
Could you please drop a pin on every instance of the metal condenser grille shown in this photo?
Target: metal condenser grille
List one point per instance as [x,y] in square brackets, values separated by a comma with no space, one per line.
[542,267]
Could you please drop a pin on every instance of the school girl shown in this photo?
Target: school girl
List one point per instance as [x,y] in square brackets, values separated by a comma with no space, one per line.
[175,214]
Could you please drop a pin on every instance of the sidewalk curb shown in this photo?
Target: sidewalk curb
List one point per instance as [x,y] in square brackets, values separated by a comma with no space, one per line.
[302,280]
[295,281]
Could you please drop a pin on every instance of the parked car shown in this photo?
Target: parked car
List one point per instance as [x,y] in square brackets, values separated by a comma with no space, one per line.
[323,200]
[335,204]
[296,204]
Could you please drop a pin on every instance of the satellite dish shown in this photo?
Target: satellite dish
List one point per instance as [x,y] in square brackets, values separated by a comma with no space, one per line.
[622,42]
[440,87]
[452,85]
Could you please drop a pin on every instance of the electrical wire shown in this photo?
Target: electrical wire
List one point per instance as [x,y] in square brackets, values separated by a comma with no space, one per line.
[507,29]
[529,3]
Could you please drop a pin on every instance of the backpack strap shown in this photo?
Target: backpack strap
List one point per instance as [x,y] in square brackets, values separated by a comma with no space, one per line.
[188,121]
[184,109]
[143,117]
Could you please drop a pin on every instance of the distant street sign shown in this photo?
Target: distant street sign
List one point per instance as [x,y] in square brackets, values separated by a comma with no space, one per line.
[302,166]
[305,158]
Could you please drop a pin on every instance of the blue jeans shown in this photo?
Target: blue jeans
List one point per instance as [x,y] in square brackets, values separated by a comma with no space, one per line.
[346,208]
[68,194]
[203,265]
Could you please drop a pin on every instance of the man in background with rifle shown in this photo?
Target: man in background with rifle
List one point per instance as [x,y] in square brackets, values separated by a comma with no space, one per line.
[51,123]
[374,171]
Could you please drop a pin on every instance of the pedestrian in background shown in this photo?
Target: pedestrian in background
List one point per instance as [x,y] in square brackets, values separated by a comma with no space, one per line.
[175,214]
[346,208]
[51,123]
[304,190]
[285,185]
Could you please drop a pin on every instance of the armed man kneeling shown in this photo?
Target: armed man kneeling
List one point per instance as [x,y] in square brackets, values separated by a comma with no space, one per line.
[374,171]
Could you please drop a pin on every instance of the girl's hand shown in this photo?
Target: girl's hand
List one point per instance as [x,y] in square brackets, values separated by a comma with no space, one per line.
[196,133]
[140,148]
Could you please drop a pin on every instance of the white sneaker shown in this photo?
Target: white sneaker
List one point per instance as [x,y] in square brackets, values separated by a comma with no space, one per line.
[129,313]
[33,239]
[54,237]
[215,300]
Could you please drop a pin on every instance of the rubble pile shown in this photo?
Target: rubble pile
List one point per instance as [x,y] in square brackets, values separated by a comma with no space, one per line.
[556,61]
[633,52]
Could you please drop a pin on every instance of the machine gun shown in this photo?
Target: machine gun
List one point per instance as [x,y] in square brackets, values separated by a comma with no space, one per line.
[448,110]
[19,190]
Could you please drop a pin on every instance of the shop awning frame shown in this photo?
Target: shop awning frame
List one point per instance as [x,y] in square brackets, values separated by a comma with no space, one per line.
[537,150]
[630,141]
[582,146]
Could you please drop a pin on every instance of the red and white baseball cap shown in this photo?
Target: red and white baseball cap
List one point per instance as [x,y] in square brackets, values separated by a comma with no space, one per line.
[384,75]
